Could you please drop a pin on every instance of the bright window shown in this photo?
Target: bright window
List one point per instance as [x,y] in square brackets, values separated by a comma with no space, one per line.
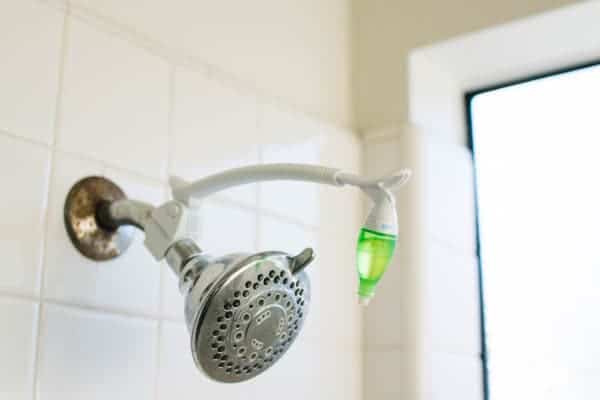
[537,158]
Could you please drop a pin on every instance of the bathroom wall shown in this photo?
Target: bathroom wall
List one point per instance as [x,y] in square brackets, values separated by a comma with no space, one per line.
[422,338]
[385,31]
[82,95]
[298,51]
[393,340]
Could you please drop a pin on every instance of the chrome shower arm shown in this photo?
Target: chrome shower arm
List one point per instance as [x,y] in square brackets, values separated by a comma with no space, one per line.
[125,212]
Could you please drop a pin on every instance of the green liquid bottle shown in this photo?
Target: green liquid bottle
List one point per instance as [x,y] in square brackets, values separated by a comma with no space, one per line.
[373,254]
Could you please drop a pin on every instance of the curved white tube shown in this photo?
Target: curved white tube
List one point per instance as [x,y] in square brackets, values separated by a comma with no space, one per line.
[184,191]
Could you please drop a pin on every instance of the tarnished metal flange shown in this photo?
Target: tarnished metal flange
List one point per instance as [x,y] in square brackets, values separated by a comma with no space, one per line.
[90,237]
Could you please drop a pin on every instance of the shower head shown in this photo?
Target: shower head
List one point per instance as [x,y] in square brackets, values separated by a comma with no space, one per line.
[243,311]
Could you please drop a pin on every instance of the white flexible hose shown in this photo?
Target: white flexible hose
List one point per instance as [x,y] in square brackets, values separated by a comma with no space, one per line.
[184,191]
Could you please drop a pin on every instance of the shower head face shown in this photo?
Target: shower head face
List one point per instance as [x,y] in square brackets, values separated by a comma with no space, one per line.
[249,317]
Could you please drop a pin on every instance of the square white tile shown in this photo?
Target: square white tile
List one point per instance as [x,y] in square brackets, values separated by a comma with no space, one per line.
[17,347]
[382,155]
[454,377]
[171,299]
[391,374]
[341,148]
[87,355]
[130,282]
[326,370]
[289,137]
[25,178]
[30,41]
[179,378]
[214,129]
[452,301]
[227,228]
[449,197]
[282,235]
[115,101]
[336,260]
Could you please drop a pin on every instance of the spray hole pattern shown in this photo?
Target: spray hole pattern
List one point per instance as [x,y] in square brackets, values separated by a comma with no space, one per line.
[249,306]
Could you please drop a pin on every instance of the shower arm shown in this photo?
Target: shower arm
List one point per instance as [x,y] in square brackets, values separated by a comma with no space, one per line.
[166,224]
[184,191]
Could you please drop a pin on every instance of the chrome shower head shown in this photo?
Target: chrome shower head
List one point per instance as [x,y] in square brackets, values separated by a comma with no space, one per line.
[243,311]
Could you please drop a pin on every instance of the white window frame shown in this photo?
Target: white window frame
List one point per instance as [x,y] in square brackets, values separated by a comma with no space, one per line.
[439,77]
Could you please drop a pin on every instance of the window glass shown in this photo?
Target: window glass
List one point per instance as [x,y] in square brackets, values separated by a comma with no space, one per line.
[537,158]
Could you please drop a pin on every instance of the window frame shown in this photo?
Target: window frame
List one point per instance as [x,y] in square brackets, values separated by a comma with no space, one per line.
[440,77]
[469,96]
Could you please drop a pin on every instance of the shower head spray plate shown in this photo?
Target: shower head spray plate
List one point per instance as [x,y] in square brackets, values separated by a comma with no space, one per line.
[250,317]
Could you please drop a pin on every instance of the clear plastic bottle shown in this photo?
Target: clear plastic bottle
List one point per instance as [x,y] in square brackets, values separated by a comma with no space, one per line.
[374,251]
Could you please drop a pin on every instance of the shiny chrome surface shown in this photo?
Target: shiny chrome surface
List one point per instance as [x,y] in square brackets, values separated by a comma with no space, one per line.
[180,253]
[248,317]
[243,311]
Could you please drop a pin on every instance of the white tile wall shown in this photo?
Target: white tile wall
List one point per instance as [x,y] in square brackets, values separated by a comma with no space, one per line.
[214,128]
[30,44]
[115,101]
[25,169]
[389,374]
[85,354]
[452,306]
[227,229]
[451,331]
[130,282]
[178,377]
[449,197]
[454,377]
[17,348]
[114,330]
[290,138]
[424,321]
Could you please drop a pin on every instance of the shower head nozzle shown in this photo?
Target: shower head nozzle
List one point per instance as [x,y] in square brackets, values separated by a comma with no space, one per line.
[243,311]
[248,317]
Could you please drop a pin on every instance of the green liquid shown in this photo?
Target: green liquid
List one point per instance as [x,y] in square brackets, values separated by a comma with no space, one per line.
[373,254]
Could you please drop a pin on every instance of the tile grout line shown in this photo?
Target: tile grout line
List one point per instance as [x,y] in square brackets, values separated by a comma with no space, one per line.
[49,192]
[90,307]
[35,142]
[458,251]
[169,169]
[258,209]
[37,352]
[157,358]
[171,122]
